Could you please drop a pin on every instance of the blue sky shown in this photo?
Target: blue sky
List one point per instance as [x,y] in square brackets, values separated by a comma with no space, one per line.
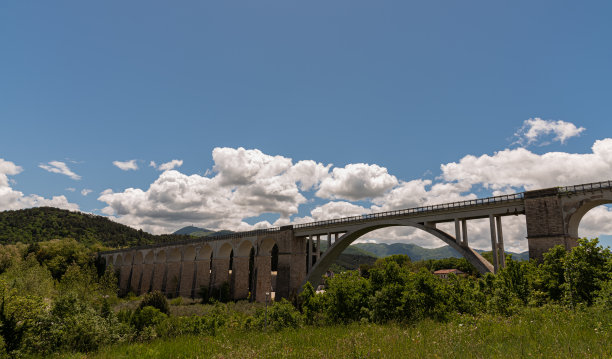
[403,86]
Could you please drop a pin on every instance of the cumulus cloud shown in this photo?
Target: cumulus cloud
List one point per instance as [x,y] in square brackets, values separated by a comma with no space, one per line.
[169,165]
[11,199]
[522,168]
[85,191]
[356,182]
[246,183]
[534,129]
[59,167]
[126,165]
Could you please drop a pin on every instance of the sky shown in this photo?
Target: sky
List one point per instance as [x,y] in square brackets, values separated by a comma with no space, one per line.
[242,114]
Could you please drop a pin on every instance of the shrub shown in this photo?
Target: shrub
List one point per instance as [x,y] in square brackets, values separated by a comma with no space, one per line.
[156,300]
[147,316]
[279,316]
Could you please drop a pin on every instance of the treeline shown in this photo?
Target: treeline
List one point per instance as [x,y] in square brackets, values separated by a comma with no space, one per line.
[395,289]
[46,223]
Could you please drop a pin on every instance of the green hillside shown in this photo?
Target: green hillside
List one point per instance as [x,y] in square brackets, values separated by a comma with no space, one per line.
[45,223]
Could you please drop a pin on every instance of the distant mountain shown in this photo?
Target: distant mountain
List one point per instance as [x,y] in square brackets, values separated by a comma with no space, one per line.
[417,253]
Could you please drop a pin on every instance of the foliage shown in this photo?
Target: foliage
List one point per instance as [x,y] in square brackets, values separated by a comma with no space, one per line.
[278,316]
[156,300]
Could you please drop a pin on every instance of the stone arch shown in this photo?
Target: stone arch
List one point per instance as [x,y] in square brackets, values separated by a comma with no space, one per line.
[118,260]
[138,258]
[320,267]
[189,254]
[224,251]
[244,248]
[149,258]
[265,246]
[204,253]
[160,257]
[174,255]
[580,206]
[127,259]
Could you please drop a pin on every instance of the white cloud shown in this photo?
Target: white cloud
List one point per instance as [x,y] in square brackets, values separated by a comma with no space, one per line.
[169,165]
[356,182]
[61,168]
[126,165]
[534,129]
[85,191]
[153,164]
[520,167]
[71,189]
[11,199]
[596,222]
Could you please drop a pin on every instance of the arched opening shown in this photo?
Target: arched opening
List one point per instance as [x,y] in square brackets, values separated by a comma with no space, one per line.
[321,266]
[596,222]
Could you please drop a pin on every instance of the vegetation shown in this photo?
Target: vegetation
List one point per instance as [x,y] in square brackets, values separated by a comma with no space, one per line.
[56,298]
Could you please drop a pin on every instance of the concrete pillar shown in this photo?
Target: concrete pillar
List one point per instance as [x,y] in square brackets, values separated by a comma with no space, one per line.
[335,237]
[136,276]
[240,278]
[173,276]
[147,275]
[124,278]
[545,222]
[464,232]
[220,272]
[500,243]
[283,276]
[158,276]
[309,255]
[186,284]
[202,274]
[318,247]
[494,243]
[329,242]
[457,231]
[262,277]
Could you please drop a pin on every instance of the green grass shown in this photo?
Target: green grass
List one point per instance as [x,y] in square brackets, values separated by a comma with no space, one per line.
[535,333]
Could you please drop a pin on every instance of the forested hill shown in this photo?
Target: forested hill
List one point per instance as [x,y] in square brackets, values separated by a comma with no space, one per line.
[45,223]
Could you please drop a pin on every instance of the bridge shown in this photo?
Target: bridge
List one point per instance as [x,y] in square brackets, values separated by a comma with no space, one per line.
[244,260]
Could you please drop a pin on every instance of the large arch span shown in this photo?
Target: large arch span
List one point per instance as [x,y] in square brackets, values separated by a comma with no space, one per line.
[332,253]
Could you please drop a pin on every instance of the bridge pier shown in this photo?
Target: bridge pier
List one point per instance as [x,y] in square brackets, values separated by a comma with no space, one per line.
[263,275]
[240,277]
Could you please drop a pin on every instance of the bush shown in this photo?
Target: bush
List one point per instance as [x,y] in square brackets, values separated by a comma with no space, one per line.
[147,316]
[156,300]
[279,316]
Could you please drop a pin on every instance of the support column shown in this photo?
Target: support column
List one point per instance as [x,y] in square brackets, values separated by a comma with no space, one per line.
[335,238]
[457,231]
[186,285]
[464,232]
[283,276]
[318,247]
[158,276]
[240,278]
[500,243]
[220,272]
[309,255]
[262,277]
[147,274]
[329,242]
[494,243]
[202,275]
[173,276]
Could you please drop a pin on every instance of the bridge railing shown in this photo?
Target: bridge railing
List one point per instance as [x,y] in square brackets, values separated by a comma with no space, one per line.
[585,187]
[415,210]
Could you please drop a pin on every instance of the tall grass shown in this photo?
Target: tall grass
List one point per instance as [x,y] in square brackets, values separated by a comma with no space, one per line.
[549,332]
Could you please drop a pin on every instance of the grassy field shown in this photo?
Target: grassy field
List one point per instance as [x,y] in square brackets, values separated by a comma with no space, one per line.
[535,333]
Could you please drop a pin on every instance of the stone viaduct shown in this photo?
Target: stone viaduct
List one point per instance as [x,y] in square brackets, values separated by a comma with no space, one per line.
[244,259]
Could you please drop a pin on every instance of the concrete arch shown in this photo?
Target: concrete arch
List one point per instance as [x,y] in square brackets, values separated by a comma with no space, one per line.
[118,260]
[189,254]
[320,267]
[149,258]
[582,206]
[244,249]
[160,257]
[174,255]
[224,251]
[127,259]
[204,253]
[265,246]
[138,258]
